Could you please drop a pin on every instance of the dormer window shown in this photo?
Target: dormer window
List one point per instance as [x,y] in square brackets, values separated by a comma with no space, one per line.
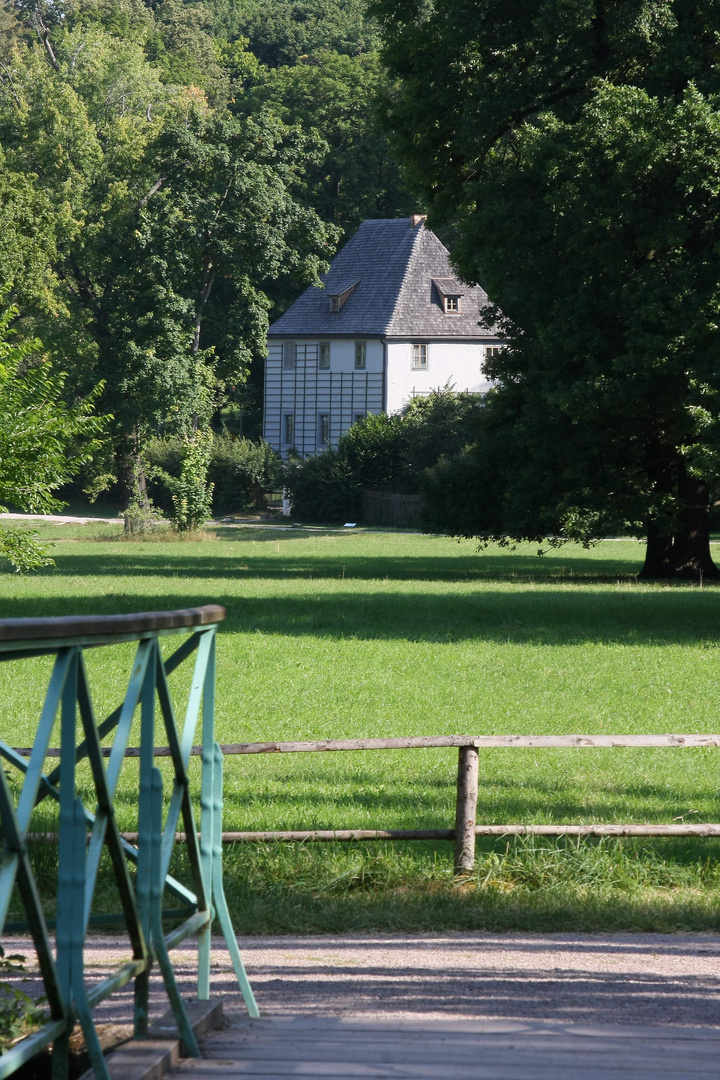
[340,296]
[450,293]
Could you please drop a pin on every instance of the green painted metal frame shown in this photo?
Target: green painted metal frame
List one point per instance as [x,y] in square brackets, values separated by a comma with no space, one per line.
[62,970]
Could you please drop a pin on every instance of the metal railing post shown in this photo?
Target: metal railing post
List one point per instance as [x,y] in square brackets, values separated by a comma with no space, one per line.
[68,694]
[207,802]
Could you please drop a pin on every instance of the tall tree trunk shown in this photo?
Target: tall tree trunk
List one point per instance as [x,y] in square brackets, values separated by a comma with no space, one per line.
[658,553]
[131,473]
[691,556]
[686,554]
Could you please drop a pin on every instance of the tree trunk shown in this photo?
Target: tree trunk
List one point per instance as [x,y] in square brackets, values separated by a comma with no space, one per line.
[658,553]
[686,554]
[131,474]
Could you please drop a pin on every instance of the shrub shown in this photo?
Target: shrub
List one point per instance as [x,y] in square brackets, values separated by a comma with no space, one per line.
[191,492]
[323,488]
[382,452]
[242,472]
[452,493]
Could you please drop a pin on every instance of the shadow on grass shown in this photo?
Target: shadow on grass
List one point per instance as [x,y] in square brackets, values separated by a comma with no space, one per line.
[143,560]
[328,811]
[351,807]
[502,615]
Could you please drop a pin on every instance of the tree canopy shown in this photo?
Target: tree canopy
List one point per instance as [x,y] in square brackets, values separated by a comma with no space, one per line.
[573,147]
[43,441]
[169,214]
[171,175]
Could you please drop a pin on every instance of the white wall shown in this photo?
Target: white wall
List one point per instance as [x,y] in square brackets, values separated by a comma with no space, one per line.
[456,362]
[342,354]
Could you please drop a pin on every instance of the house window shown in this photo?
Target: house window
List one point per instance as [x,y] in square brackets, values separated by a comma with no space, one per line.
[360,355]
[289,355]
[339,299]
[359,417]
[419,357]
[324,354]
[289,429]
[453,305]
[324,428]
[493,351]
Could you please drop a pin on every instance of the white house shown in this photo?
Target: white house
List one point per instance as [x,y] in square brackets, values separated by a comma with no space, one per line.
[390,322]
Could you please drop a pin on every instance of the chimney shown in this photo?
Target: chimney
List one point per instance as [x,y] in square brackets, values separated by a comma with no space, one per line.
[415,219]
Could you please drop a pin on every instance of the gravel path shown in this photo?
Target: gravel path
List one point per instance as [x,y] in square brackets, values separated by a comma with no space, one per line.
[669,979]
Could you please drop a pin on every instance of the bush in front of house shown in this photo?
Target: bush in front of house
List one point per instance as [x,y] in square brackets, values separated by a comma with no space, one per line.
[242,472]
[323,488]
[381,453]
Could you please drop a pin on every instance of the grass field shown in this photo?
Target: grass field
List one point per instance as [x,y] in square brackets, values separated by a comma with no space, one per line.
[336,634]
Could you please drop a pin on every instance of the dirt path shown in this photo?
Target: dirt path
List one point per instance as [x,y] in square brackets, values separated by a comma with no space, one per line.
[669,979]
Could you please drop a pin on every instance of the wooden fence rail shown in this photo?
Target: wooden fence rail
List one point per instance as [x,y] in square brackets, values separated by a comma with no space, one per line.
[466,829]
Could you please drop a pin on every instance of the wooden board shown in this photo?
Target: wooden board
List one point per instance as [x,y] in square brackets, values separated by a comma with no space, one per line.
[332,1048]
[421,742]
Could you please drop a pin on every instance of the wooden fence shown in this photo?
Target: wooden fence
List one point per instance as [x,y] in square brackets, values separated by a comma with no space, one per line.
[466,828]
[388,508]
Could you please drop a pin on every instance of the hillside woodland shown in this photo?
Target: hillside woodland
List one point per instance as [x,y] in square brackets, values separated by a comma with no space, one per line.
[171,175]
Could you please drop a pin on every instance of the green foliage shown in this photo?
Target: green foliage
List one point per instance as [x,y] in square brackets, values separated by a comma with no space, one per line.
[171,172]
[382,452]
[322,488]
[141,516]
[43,441]
[455,495]
[240,472]
[190,492]
[243,473]
[169,215]
[356,175]
[576,154]
[285,31]
[28,230]
[19,1013]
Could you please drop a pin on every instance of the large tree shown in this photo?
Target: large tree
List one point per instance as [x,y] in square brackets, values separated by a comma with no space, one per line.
[169,215]
[356,176]
[574,146]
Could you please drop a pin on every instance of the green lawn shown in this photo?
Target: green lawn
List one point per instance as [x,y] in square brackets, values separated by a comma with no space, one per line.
[335,633]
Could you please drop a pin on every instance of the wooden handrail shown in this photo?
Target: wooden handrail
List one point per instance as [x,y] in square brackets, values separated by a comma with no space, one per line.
[72,626]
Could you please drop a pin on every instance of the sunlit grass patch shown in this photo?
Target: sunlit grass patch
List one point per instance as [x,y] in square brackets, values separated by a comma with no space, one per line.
[334,634]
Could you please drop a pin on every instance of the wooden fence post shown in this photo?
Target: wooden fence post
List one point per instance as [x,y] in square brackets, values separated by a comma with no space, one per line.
[466,809]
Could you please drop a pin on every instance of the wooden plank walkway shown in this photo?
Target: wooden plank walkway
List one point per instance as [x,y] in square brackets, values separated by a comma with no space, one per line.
[345,1048]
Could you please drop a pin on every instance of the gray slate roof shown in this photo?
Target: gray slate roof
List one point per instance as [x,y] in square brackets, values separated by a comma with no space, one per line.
[394,265]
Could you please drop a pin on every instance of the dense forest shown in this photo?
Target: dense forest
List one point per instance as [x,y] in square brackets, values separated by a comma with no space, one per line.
[171,176]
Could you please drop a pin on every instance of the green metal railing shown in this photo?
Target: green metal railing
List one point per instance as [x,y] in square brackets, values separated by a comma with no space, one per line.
[68,697]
